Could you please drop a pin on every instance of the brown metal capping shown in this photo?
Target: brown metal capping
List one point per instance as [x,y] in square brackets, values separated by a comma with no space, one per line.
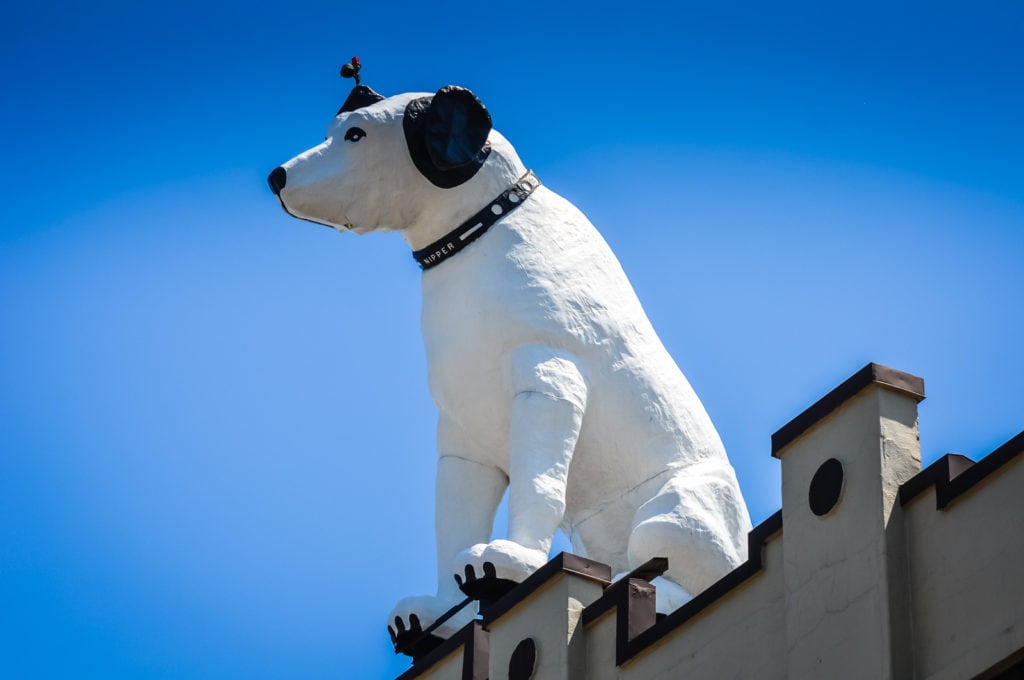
[634,602]
[953,474]
[1010,668]
[474,657]
[869,375]
[632,636]
[938,474]
[632,597]
[573,564]
[615,594]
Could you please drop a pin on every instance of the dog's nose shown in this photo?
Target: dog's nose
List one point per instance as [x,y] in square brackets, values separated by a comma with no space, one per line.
[277,179]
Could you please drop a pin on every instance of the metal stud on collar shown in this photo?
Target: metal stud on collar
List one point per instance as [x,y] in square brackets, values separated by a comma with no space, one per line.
[473,228]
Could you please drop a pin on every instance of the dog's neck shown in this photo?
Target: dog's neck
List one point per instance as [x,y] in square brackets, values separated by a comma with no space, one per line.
[452,243]
[458,204]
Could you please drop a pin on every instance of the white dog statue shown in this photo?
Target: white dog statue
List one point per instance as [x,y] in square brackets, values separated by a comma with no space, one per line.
[547,376]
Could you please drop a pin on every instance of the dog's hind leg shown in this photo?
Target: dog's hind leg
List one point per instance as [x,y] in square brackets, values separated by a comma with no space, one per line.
[700,523]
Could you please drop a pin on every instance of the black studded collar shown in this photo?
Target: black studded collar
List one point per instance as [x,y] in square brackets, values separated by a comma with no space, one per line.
[473,228]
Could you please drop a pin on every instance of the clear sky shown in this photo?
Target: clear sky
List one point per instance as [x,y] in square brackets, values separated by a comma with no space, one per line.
[216,438]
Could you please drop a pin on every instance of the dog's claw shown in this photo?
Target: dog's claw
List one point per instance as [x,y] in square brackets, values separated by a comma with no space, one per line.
[419,624]
[488,588]
[410,640]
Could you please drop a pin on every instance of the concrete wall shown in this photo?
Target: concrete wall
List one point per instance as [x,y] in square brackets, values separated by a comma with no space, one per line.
[966,568]
[872,569]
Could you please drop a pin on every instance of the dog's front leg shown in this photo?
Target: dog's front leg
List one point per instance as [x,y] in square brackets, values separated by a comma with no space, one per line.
[467,497]
[550,396]
[468,494]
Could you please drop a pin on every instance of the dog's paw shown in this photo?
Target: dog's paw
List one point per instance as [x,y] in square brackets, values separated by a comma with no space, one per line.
[492,569]
[413,615]
[508,560]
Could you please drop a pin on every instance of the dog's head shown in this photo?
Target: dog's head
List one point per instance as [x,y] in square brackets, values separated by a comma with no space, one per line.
[402,163]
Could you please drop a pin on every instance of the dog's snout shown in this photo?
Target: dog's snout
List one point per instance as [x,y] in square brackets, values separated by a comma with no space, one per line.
[277,179]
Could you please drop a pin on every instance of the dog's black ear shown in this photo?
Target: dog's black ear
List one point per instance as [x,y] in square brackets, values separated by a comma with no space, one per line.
[457,126]
[447,135]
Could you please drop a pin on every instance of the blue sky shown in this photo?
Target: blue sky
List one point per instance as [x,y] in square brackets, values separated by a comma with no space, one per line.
[216,439]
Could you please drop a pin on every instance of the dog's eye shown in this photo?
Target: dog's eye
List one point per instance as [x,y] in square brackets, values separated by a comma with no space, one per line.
[354,134]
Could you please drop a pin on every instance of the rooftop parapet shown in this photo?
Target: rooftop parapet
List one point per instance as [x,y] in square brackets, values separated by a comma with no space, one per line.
[860,574]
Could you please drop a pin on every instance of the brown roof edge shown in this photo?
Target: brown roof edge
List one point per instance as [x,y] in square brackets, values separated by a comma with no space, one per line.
[567,562]
[628,646]
[474,657]
[872,374]
[613,595]
[953,474]
[475,637]
[1010,667]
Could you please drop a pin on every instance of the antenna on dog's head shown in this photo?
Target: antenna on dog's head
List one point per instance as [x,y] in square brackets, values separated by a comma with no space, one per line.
[351,70]
[361,95]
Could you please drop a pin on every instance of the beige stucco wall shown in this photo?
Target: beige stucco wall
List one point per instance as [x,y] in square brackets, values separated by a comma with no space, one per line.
[449,668]
[740,636]
[837,566]
[967,576]
[551,617]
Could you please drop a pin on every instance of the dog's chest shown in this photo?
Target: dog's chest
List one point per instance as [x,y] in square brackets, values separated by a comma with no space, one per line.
[469,328]
[543,277]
